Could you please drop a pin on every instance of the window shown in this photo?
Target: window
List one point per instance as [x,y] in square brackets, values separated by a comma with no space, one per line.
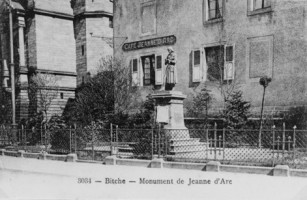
[258,6]
[62,95]
[213,63]
[148,63]
[148,17]
[159,70]
[135,72]
[147,70]
[213,10]
[229,63]
[196,66]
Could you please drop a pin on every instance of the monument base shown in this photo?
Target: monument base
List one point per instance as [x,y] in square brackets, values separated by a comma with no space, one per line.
[169,111]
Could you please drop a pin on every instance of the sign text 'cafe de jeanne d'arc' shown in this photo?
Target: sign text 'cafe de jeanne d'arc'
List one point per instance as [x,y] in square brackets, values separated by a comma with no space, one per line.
[155,42]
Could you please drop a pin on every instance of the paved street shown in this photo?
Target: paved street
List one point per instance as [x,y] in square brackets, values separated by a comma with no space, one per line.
[37,179]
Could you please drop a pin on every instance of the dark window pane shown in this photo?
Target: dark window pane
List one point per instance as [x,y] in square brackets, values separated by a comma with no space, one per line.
[196,57]
[215,62]
[229,53]
[159,62]
[135,65]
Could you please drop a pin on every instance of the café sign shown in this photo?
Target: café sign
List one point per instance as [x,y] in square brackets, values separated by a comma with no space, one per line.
[155,42]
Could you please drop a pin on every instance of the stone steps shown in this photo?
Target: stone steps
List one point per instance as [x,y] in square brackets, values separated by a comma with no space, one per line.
[186,148]
[184,142]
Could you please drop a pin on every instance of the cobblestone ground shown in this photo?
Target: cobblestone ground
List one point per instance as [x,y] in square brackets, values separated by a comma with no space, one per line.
[37,179]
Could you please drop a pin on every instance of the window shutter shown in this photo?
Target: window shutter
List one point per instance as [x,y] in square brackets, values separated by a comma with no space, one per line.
[159,70]
[135,72]
[206,10]
[229,63]
[141,73]
[204,66]
[196,63]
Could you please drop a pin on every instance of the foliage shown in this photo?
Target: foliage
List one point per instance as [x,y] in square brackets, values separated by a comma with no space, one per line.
[200,104]
[199,107]
[5,107]
[45,88]
[33,127]
[59,134]
[264,81]
[296,116]
[108,92]
[236,111]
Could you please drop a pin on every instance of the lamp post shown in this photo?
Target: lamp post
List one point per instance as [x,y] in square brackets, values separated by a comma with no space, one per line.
[12,66]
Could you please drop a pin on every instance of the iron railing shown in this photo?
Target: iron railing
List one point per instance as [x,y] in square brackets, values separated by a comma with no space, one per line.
[278,146]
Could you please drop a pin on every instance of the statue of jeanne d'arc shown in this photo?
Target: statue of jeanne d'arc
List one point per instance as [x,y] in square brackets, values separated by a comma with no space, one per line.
[170,71]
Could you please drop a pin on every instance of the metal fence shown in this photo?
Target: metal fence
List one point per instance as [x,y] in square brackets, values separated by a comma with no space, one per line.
[247,147]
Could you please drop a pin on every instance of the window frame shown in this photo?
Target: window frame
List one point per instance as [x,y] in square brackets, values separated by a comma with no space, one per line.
[225,78]
[251,10]
[206,19]
[160,69]
[203,62]
[135,75]
[199,66]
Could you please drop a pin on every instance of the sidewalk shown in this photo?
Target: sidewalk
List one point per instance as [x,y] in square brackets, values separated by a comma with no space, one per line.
[41,179]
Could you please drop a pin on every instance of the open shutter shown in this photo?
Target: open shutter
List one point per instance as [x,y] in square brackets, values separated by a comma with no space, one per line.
[141,72]
[196,66]
[135,72]
[159,70]
[204,66]
[229,67]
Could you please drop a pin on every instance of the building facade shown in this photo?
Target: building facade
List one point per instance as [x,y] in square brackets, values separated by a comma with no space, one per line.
[219,44]
[53,37]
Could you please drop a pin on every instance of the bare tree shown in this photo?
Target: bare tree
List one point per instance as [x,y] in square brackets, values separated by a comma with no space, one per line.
[45,87]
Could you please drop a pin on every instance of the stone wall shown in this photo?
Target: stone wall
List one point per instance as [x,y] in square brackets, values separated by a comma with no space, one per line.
[55,44]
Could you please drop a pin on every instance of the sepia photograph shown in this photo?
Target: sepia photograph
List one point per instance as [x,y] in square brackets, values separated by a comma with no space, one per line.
[153,99]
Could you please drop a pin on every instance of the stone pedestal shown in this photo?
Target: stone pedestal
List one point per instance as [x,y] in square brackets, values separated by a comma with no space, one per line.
[169,106]
[169,111]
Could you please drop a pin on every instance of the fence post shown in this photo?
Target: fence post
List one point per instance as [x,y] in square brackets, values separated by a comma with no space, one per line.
[70,139]
[223,143]
[75,127]
[159,141]
[215,139]
[208,142]
[294,141]
[46,147]
[273,145]
[22,134]
[93,154]
[111,136]
[283,139]
[116,135]
[152,142]
[41,131]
